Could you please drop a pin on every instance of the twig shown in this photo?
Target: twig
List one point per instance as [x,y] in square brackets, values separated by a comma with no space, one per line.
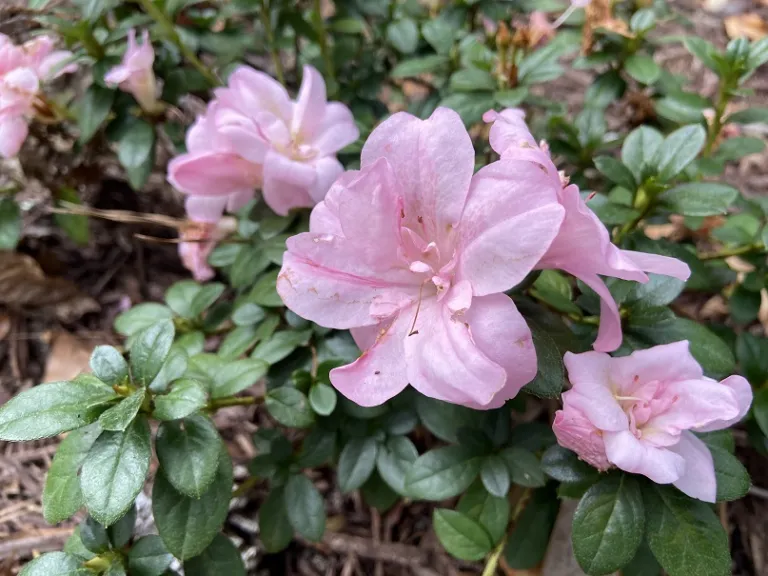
[395,553]
[758,492]
[45,540]
[217,403]
[169,30]
[728,252]
[125,216]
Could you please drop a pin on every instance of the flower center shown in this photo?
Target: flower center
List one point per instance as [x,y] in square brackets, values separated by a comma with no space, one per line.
[432,263]
[643,402]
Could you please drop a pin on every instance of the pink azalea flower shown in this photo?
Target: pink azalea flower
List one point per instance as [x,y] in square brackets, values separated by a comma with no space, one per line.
[413,254]
[134,74]
[198,241]
[639,412]
[582,247]
[254,135]
[22,70]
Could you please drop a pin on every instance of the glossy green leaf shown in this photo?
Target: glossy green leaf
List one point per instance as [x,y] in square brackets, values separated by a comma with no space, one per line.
[276,531]
[356,462]
[700,198]
[219,558]
[108,365]
[678,150]
[642,68]
[140,317]
[495,475]
[304,507]
[280,345]
[114,471]
[55,564]
[403,35]
[148,557]
[289,407]
[93,109]
[322,398]
[10,224]
[417,66]
[490,511]
[616,172]
[639,150]
[460,535]
[149,350]
[393,460]
[119,417]
[442,473]
[528,542]
[186,397]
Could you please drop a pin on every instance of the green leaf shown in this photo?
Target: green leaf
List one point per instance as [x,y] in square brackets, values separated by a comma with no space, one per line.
[137,142]
[469,105]
[276,531]
[528,542]
[148,557]
[703,50]
[738,147]
[748,116]
[280,345]
[495,476]
[248,314]
[549,379]
[322,398]
[74,546]
[760,409]
[393,460]
[191,343]
[205,297]
[221,557]
[114,471]
[732,478]
[639,150]
[304,507]
[490,511]
[56,564]
[616,172]
[356,462]
[50,409]
[75,226]
[682,107]
[108,365]
[642,68]
[752,353]
[416,66]
[289,407]
[439,33]
[10,224]
[188,451]
[62,496]
[460,535]
[140,317]
[186,525]
[511,98]
[524,467]
[377,493]
[700,198]
[94,536]
[678,150]
[121,531]
[149,350]
[606,88]
[403,35]
[238,342]
[247,267]
[684,534]
[179,297]
[472,80]
[173,368]
[643,564]
[264,292]
[565,466]
[442,473]
[120,416]
[444,420]
[608,525]
[186,397]
[554,289]
[93,110]
[237,376]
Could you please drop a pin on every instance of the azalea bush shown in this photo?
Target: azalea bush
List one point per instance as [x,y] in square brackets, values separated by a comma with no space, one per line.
[417,293]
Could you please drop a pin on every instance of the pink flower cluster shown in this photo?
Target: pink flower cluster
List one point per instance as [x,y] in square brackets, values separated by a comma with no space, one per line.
[22,71]
[414,252]
[134,74]
[639,412]
[253,135]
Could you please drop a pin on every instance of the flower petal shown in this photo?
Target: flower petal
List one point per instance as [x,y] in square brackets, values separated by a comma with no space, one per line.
[205,208]
[664,363]
[213,174]
[658,264]
[327,170]
[379,373]
[697,404]
[500,257]
[443,361]
[499,331]
[309,110]
[13,132]
[742,392]
[698,480]
[252,90]
[632,455]
[337,130]
[433,161]
[609,334]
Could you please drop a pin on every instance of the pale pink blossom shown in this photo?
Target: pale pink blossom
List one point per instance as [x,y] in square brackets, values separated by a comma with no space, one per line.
[583,246]
[134,74]
[639,413]
[198,241]
[23,69]
[254,135]
[413,253]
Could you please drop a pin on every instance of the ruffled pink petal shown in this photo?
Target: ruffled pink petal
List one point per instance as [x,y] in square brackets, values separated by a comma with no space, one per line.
[500,257]
[379,373]
[698,479]
[697,403]
[240,133]
[327,169]
[213,174]
[501,334]
[658,264]
[742,393]
[282,197]
[337,131]
[632,455]
[281,168]
[51,66]
[13,132]
[665,363]
[575,432]
[609,333]
[239,200]
[251,90]
[117,75]
[205,208]
[309,110]
[443,361]
[511,139]
[433,161]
